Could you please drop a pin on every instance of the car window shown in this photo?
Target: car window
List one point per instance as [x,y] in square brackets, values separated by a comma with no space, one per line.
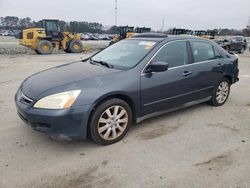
[202,51]
[174,53]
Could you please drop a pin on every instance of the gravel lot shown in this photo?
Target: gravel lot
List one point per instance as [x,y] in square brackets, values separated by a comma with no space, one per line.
[201,146]
[10,46]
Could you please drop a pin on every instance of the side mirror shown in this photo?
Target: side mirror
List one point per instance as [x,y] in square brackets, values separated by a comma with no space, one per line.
[158,66]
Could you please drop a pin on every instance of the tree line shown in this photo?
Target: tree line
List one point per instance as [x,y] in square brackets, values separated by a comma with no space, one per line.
[15,23]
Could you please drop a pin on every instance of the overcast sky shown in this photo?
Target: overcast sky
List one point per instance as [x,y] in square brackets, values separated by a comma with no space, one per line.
[191,14]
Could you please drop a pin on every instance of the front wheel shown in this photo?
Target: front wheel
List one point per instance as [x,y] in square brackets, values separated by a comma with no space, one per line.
[220,93]
[110,122]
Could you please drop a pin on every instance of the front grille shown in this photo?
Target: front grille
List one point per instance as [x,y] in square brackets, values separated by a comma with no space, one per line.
[23,98]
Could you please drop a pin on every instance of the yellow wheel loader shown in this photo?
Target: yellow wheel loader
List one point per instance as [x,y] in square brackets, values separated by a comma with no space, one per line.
[181,32]
[205,34]
[127,32]
[48,38]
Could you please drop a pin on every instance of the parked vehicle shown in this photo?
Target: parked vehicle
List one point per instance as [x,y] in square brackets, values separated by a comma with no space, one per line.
[233,43]
[132,80]
[92,37]
[103,37]
[84,36]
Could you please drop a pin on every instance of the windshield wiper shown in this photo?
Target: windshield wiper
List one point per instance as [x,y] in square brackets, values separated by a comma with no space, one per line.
[101,63]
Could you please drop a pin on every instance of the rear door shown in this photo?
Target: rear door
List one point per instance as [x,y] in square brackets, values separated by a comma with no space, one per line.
[207,67]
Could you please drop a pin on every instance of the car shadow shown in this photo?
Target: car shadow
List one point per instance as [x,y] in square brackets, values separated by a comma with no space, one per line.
[136,130]
[165,123]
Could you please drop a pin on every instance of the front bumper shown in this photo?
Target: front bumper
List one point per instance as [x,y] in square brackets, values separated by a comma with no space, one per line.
[69,124]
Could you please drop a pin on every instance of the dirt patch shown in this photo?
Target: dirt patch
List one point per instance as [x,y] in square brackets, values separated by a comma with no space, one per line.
[104,163]
[248,104]
[223,126]
[160,131]
[78,179]
[4,82]
[218,162]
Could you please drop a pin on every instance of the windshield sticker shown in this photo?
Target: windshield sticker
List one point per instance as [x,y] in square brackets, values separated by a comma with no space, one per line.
[147,44]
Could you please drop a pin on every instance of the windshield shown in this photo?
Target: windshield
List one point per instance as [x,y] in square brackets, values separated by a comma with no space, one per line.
[124,54]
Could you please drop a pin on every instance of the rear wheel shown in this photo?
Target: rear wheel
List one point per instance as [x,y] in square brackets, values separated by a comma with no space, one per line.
[44,47]
[75,46]
[242,50]
[220,93]
[110,122]
[227,48]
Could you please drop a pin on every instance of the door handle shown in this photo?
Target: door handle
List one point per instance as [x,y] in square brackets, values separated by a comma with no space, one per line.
[186,73]
[219,65]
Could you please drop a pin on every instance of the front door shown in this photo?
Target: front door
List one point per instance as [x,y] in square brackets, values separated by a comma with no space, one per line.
[169,89]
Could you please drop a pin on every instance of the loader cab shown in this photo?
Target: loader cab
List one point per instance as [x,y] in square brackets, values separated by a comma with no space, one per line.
[52,29]
[181,31]
[142,30]
[125,31]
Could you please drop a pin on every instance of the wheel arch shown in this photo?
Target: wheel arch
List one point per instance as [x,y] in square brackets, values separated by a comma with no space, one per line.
[229,77]
[120,96]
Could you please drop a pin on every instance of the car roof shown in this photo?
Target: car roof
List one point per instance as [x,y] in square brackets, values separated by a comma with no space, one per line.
[158,37]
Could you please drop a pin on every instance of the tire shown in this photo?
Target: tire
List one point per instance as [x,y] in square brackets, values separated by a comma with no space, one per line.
[224,93]
[242,50]
[105,129]
[44,47]
[75,46]
[67,51]
[37,52]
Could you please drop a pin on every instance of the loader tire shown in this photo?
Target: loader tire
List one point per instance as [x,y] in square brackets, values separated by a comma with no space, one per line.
[67,50]
[44,47]
[75,46]
[37,52]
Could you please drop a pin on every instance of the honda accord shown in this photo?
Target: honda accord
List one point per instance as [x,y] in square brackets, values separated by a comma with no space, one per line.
[130,81]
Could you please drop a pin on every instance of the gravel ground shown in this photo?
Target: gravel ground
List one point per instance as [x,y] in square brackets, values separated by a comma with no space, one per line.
[10,46]
[201,146]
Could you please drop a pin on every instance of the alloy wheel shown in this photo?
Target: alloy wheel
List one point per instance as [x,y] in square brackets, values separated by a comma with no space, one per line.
[222,92]
[113,122]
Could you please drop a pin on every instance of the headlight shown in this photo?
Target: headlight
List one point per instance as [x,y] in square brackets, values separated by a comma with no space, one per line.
[62,100]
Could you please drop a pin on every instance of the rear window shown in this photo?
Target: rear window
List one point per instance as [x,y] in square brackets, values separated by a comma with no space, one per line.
[202,51]
[237,39]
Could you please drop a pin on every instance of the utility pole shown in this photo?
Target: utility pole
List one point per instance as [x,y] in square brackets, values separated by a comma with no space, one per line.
[248,25]
[116,12]
[163,24]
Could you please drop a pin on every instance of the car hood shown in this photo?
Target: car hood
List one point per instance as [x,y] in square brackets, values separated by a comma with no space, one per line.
[61,75]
